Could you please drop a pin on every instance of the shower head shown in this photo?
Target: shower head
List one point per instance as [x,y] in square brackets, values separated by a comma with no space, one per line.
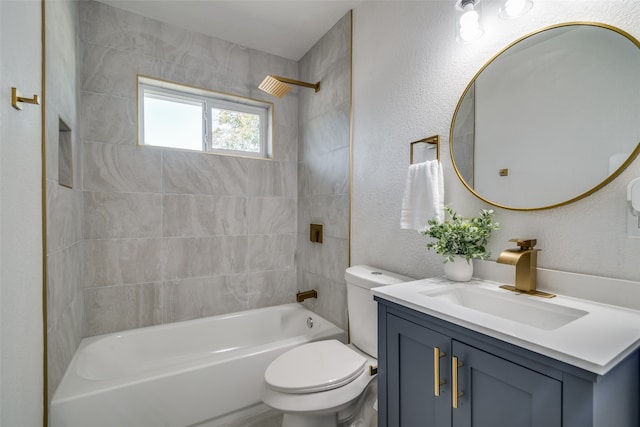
[279,86]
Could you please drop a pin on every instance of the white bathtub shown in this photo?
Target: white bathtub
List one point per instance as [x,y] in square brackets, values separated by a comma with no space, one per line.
[180,374]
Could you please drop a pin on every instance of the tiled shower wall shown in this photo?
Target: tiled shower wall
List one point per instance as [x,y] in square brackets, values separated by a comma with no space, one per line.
[323,171]
[65,247]
[174,235]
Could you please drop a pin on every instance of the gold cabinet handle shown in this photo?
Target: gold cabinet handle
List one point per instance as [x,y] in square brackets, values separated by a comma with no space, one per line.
[455,394]
[437,382]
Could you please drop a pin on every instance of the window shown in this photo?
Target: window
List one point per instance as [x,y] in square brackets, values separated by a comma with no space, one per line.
[177,116]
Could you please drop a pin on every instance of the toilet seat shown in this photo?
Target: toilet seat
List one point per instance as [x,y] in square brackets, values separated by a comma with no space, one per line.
[314,367]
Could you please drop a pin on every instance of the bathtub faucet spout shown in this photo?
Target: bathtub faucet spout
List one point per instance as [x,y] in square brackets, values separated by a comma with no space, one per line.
[303,295]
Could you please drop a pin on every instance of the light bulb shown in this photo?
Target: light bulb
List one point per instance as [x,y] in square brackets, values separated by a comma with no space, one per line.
[515,8]
[469,19]
[470,28]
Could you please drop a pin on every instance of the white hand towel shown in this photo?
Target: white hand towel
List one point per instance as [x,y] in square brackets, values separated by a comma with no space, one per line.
[423,196]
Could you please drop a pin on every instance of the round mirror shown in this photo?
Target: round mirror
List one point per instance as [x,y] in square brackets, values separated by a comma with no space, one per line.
[550,119]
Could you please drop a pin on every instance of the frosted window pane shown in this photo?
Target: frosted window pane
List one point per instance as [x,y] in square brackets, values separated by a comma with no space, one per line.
[172,123]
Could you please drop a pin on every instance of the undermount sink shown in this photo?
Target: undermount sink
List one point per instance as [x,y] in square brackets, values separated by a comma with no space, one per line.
[515,307]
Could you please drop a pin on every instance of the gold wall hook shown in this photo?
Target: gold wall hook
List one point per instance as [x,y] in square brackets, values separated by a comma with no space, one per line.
[17,99]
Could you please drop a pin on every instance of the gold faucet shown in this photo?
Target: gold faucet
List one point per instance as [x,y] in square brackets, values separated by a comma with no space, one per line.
[525,258]
[303,295]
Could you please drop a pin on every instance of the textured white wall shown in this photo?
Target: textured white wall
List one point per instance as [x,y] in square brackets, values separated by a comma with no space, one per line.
[21,345]
[409,73]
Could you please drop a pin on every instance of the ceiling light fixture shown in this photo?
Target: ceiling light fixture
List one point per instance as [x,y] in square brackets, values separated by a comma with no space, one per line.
[469,25]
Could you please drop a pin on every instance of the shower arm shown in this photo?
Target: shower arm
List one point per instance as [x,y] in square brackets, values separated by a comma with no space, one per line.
[315,86]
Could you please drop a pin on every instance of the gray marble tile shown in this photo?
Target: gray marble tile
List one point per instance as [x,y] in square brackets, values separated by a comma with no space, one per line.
[179,44]
[124,168]
[200,173]
[272,215]
[335,90]
[332,47]
[65,280]
[119,308]
[109,119]
[199,73]
[196,215]
[267,288]
[272,178]
[331,211]
[110,71]
[205,296]
[113,215]
[186,257]
[235,68]
[210,63]
[329,259]
[325,133]
[123,261]
[64,216]
[323,174]
[332,298]
[209,203]
[285,142]
[63,339]
[51,148]
[328,175]
[271,252]
[285,122]
[61,31]
[60,102]
[117,28]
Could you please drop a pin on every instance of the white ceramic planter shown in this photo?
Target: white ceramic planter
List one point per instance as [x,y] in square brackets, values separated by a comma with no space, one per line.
[458,270]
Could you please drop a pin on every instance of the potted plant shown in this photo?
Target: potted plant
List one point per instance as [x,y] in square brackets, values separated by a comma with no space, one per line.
[460,240]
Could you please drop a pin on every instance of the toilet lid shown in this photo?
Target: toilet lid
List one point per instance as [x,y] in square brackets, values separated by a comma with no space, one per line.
[313,367]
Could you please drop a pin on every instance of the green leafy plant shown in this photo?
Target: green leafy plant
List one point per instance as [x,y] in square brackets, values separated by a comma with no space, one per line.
[467,237]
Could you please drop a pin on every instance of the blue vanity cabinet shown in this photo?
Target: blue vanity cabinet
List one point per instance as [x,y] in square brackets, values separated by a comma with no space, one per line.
[501,385]
[503,394]
[411,372]
[498,393]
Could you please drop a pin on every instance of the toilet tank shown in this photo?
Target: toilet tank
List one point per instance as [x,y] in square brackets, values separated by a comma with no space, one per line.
[363,310]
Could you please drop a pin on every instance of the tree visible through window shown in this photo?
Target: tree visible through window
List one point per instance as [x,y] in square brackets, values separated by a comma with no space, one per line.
[177,116]
[236,131]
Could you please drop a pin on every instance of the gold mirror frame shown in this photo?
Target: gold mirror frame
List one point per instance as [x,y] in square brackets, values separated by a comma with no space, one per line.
[606,181]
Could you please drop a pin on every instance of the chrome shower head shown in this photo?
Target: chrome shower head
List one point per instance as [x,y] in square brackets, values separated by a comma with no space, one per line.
[277,86]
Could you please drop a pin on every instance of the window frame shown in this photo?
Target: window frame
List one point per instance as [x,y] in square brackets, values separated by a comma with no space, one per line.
[209,100]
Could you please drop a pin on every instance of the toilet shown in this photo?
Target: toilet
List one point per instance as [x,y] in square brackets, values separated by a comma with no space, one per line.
[323,383]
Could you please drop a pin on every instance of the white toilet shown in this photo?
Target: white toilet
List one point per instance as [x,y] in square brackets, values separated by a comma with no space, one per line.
[321,383]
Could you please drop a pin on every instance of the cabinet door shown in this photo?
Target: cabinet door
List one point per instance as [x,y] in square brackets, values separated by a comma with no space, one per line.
[498,393]
[411,375]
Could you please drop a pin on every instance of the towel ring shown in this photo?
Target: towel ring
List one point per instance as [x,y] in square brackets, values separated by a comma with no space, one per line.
[434,140]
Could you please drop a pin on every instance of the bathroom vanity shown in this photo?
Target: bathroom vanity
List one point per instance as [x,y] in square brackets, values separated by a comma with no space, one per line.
[472,354]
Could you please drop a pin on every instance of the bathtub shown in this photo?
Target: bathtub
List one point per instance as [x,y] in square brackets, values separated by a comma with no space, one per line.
[181,374]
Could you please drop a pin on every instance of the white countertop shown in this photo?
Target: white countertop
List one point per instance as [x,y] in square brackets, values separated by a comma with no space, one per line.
[595,342]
